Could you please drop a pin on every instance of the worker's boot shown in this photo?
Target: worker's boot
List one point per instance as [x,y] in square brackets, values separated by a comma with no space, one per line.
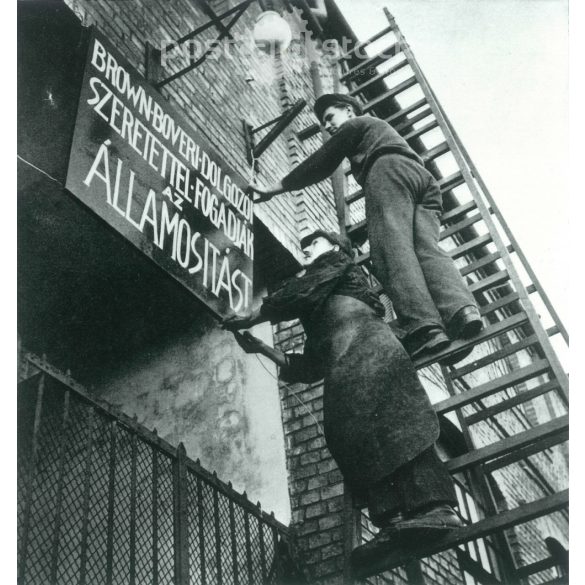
[408,534]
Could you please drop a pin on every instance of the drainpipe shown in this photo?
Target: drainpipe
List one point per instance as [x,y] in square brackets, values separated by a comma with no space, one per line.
[338,179]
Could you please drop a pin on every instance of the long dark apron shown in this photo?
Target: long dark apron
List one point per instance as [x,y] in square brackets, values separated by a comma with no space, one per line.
[377,415]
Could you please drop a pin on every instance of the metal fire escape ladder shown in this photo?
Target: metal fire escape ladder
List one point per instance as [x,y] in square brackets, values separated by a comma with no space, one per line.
[513,358]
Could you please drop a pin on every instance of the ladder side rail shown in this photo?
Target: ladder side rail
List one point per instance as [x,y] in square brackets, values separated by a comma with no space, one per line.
[492,206]
[504,225]
[483,208]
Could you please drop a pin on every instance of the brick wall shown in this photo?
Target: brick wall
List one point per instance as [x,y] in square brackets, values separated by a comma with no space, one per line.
[216,97]
[314,205]
[237,84]
[315,483]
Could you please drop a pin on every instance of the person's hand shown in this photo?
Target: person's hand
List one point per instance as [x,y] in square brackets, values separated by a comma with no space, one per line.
[263,194]
[234,323]
[248,342]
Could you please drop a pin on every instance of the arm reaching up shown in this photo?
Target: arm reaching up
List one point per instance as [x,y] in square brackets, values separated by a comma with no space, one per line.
[319,165]
[266,193]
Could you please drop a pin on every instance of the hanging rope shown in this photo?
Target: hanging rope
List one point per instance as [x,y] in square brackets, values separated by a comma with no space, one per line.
[38,169]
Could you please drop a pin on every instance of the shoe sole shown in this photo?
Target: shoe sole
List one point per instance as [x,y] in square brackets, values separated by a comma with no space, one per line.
[406,539]
[456,357]
[431,347]
[417,536]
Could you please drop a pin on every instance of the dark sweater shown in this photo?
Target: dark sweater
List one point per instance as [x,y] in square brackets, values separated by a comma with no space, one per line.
[361,140]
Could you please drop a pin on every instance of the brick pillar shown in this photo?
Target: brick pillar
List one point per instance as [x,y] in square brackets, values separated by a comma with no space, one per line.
[315,482]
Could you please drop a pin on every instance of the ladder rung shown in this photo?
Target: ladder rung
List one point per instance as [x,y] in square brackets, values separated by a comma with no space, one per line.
[422,130]
[354,197]
[405,111]
[448,183]
[455,253]
[396,67]
[530,289]
[483,528]
[491,281]
[522,453]
[536,567]
[493,357]
[402,126]
[457,227]
[499,304]
[493,386]
[365,43]
[435,152]
[557,581]
[486,334]
[470,246]
[509,444]
[521,398]
[391,93]
[554,330]
[486,260]
[373,61]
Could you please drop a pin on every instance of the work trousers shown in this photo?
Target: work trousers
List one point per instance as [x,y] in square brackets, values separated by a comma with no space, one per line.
[419,484]
[403,208]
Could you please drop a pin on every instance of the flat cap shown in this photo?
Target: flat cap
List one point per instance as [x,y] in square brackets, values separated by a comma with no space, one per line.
[343,242]
[335,99]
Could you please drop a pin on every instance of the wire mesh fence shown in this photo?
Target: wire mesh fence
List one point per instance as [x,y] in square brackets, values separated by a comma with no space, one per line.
[102,500]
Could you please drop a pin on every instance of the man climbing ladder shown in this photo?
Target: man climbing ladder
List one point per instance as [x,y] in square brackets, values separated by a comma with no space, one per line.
[403,207]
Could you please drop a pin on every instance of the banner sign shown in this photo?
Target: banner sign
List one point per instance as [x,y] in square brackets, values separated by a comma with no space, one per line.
[140,165]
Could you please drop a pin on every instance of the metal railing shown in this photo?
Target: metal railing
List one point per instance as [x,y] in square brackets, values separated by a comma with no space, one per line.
[102,500]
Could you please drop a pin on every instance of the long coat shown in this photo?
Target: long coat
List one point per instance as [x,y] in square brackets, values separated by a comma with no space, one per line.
[377,415]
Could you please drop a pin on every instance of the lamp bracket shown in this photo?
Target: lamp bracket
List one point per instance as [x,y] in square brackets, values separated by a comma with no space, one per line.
[253,150]
[154,55]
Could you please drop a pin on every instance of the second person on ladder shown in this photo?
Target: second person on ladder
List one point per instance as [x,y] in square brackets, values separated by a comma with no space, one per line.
[403,208]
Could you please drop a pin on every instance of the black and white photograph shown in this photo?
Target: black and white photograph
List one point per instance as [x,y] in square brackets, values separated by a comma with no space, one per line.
[292,293]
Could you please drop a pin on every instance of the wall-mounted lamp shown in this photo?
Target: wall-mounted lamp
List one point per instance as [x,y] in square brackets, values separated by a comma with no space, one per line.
[271,31]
